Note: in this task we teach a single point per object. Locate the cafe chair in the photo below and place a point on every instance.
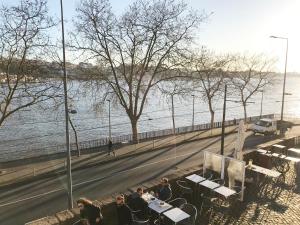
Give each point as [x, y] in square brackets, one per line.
[137, 221]
[184, 189]
[192, 211]
[178, 202]
[208, 205]
[208, 175]
[133, 211]
[219, 181]
[235, 198]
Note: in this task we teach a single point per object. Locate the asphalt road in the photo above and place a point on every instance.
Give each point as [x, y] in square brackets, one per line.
[37, 199]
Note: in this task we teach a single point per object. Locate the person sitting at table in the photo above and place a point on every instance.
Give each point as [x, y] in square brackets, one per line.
[137, 203]
[123, 211]
[164, 193]
[89, 213]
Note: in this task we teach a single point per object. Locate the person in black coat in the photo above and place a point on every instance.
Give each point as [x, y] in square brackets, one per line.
[124, 213]
[137, 203]
[164, 193]
[89, 212]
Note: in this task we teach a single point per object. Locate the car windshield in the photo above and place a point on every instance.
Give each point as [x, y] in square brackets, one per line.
[263, 123]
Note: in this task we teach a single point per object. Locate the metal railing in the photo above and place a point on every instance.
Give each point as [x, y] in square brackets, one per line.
[144, 136]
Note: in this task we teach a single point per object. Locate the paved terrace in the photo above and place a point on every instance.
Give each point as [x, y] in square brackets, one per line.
[273, 203]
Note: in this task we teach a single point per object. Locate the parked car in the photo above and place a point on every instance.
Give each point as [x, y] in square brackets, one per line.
[270, 126]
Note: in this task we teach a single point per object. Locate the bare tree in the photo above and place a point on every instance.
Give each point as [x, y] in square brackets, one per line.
[23, 35]
[170, 89]
[137, 50]
[209, 71]
[250, 75]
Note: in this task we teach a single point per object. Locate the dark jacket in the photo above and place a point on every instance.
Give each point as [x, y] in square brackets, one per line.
[164, 192]
[124, 215]
[91, 213]
[136, 202]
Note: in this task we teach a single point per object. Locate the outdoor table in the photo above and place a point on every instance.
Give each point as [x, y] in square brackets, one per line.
[288, 158]
[157, 207]
[209, 184]
[225, 191]
[265, 171]
[294, 152]
[261, 151]
[148, 197]
[176, 215]
[281, 148]
[195, 178]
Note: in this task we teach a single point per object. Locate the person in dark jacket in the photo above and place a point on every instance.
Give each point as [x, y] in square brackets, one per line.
[137, 203]
[164, 193]
[89, 212]
[124, 213]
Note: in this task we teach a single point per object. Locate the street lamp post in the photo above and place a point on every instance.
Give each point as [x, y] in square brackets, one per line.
[261, 103]
[223, 122]
[69, 171]
[109, 122]
[284, 79]
[193, 120]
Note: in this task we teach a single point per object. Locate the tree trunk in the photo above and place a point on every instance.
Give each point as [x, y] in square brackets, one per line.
[76, 137]
[134, 121]
[173, 114]
[212, 115]
[245, 111]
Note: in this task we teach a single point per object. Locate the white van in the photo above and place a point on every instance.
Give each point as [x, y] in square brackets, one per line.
[265, 126]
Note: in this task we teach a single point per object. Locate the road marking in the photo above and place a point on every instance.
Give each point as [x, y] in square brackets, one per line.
[101, 178]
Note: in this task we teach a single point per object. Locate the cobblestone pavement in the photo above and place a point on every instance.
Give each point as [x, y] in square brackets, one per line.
[271, 203]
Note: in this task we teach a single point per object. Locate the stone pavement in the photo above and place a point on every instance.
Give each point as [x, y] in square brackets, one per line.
[16, 173]
[272, 203]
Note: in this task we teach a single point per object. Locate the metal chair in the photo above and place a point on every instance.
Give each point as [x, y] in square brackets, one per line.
[178, 202]
[184, 189]
[137, 221]
[209, 203]
[192, 211]
[219, 181]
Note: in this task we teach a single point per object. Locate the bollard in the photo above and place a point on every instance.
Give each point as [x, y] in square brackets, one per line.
[34, 172]
[153, 143]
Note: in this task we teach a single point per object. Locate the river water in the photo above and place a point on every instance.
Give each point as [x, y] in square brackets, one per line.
[35, 128]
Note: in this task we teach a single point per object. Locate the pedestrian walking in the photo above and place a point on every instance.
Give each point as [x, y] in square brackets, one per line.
[110, 148]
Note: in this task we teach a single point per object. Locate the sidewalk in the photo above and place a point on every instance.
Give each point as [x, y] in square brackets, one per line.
[58, 166]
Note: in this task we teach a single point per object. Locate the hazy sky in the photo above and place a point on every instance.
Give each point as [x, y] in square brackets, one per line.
[235, 26]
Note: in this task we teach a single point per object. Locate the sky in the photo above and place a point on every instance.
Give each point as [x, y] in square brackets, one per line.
[236, 26]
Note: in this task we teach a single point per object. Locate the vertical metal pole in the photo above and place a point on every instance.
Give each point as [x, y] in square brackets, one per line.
[69, 172]
[109, 122]
[223, 122]
[193, 112]
[284, 79]
[261, 103]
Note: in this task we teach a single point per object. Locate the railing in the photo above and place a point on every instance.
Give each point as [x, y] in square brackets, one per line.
[159, 133]
[84, 145]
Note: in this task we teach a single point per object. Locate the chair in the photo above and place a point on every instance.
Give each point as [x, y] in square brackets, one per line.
[209, 203]
[184, 189]
[137, 221]
[170, 197]
[177, 202]
[219, 181]
[208, 175]
[236, 197]
[192, 211]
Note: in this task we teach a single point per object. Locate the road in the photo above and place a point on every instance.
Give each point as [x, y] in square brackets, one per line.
[47, 196]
